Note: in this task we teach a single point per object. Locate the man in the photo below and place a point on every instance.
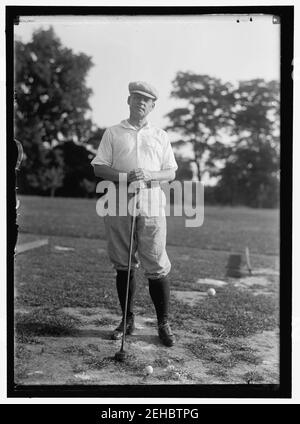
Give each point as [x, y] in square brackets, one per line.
[143, 153]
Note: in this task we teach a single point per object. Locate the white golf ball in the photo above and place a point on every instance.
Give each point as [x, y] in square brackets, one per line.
[211, 292]
[148, 370]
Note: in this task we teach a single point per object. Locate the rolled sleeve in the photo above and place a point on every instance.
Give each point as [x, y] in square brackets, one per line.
[104, 152]
[169, 161]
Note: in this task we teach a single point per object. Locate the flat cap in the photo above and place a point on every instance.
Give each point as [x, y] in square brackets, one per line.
[143, 88]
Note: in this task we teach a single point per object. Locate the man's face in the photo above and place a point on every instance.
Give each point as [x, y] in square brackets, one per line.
[140, 106]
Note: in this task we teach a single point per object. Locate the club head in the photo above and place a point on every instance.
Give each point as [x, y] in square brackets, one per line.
[120, 356]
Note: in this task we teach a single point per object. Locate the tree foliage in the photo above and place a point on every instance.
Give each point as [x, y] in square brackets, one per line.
[251, 172]
[256, 109]
[250, 177]
[184, 171]
[79, 179]
[52, 104]
[49, 176]
[207, 114]
[234, 132]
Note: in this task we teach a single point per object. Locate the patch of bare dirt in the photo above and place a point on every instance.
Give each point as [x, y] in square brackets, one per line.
[191, 297]
[87, 357]
[262, 281]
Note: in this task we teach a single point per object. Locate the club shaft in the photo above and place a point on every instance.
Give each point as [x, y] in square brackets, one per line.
[133, 219]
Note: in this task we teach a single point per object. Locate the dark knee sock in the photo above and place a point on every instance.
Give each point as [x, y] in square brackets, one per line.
[159, 290]
[121, 281]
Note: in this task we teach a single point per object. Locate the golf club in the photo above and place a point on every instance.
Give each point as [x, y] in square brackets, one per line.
[20, 157]
[121, 355]
[20, 154]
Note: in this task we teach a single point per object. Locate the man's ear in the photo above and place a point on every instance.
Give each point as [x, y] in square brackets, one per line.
[128, 100]
[153, 105]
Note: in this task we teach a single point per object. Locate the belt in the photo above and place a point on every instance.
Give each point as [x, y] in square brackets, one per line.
[144, 184]
[151, 184]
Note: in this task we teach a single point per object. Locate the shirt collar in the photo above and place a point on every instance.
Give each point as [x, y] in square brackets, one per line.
[126, 124]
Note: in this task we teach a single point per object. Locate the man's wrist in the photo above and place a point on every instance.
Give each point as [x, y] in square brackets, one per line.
[150, 176]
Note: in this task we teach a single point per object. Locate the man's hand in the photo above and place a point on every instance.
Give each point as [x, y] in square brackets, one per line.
[139, 174]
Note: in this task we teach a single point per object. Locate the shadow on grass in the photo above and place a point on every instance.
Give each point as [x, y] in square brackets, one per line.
[98, 333]
[45, 322]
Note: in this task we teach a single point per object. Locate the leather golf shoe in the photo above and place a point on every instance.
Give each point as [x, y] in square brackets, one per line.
[118, 332]
[166, 335]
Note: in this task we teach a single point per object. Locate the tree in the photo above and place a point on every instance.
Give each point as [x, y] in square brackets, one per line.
[247, 162]
[256, 111]
[95, 137]
[184, 171]
[78, 173]
[250, 178]
[251, 172]
[52, 103]
[50, 175]
[205, 117]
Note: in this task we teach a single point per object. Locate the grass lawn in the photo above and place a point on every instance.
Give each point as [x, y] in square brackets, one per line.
[63, 294]
[228, 229]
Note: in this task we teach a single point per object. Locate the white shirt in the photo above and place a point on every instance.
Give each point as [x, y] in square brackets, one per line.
[125, 148]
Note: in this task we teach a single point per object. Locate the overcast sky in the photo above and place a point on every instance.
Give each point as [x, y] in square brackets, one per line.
[153, 49]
